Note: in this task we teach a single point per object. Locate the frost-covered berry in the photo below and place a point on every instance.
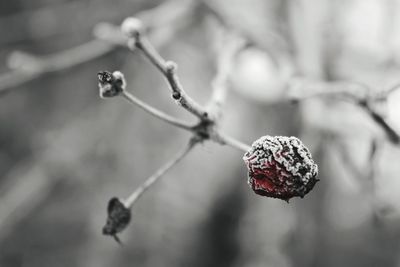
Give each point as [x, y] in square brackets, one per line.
[280, 167]
[111, 84]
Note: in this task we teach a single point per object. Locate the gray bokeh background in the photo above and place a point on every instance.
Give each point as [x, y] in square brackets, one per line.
[65, 152]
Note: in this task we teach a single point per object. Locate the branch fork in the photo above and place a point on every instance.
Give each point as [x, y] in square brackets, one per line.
[114, 84]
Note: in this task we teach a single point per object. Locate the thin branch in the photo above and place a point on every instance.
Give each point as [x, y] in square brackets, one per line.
[225, 62]
[137, 39]
[300, 89]
[114, 84]
[131, 200]
[269, 43]
[169, 70]
[53, 63]
[391, 90]
[391, 133]
[225, 139]
[156, 112]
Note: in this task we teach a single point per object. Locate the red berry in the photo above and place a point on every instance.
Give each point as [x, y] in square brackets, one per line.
[280, 167]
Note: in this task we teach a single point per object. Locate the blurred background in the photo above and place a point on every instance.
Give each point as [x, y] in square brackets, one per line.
[65, 152]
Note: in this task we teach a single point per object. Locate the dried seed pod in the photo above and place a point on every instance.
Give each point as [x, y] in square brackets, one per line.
[280, 167]
[111, 84]
[118, 218]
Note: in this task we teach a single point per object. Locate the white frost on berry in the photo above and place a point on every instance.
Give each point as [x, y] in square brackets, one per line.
[288, 152]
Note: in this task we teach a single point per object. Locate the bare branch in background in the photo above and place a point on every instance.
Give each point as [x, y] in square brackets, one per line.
[269, 43]
[391, 133]
[357, 93]
[53, 63]
[389, 91]
[25, 187]
[227, 53]
[39, 66]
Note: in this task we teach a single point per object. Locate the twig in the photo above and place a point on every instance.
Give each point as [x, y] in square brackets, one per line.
[393, 89]
[114, 84]
[386, 93]
[155, 112]
[205, 129]
[158, 174]
[300, 89]
[270, 43]
[392, 135]
[225, 139]
[217, 137]
[135, 31]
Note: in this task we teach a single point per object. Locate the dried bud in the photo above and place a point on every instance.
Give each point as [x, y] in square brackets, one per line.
[171, 66]
[280, 167]
[118, 218]
[111, 84]
[132, 27]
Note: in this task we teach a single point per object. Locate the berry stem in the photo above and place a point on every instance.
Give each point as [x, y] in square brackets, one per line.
[225, 139]
[131, 200]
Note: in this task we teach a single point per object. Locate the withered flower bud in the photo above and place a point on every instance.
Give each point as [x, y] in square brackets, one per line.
[118, 218]
[111, 84]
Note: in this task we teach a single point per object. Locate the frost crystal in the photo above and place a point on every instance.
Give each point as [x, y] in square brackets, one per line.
[280, 167]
